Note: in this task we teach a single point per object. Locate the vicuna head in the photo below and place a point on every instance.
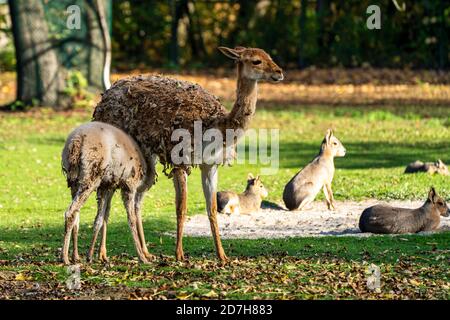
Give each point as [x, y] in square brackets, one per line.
[254, 185]
[332, 146]
[438, 203]
[441, 168]
[254, 64]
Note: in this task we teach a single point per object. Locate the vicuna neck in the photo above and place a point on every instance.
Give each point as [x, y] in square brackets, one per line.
[245, 104]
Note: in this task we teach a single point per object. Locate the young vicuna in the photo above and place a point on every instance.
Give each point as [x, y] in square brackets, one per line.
[438, 167]
[386, 219]
[98, 156]
[318, 174]
[250, 200]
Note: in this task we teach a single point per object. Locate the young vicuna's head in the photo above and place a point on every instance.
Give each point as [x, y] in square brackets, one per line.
[438, 203]
[254, 64]
[331, 146]
[255, 186]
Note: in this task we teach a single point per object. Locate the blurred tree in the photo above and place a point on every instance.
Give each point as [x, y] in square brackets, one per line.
[48, 50]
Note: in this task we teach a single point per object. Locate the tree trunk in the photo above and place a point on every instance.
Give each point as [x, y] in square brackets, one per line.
[40, 77]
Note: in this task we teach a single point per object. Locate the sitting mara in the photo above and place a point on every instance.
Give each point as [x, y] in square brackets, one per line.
[387, 219]
[318, 174]
[438, 167]
[249, 201]
[98, 156]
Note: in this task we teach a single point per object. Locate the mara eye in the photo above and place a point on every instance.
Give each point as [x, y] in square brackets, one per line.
[256, 62]
[335, 143]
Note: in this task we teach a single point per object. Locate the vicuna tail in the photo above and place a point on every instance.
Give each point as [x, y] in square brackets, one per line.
[71, 158]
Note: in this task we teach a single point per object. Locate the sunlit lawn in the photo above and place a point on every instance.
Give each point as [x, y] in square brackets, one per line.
[33, 197]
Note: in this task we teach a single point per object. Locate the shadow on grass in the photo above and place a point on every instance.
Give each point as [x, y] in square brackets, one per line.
[365, 156]
[43, 245]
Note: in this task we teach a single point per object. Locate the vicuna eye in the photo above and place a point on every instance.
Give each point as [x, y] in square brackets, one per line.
[256, 62]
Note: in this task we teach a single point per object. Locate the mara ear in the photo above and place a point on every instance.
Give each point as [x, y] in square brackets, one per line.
[250, 176]
[257, 178]
[328, 135]
[231, 53]
[432, 194]
[439, 163]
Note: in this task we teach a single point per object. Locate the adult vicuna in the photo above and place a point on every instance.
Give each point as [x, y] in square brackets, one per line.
[303, 188]
[391, 220]
[152, 108]
[98, 156]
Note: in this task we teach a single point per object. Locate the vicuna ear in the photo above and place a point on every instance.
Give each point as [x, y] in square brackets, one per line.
[250, 176]
[432, 194]
[328, 135]
[234, 54]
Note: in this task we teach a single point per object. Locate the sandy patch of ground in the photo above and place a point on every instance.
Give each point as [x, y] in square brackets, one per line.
[276, 222]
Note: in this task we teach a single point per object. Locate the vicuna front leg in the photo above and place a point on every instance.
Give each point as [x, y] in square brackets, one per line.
[180, 184]
[209, 184]
[128, 197]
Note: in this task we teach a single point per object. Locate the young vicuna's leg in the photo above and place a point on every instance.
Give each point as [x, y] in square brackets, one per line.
[209, 184]
[71, 218]
[180, 184]
[76, 227]
[129, 197]
[102, 254]
[104, 197]
[138, 205]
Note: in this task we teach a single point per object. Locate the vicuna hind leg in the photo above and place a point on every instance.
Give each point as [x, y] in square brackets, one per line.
[138, 203]
[71, 219]
[104, 197]
[129, 197]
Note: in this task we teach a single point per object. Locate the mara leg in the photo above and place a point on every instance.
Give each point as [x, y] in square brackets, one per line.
[103, 205]
[180, 184]
[71, 218]
[138, 203]
[330, 194]
[209, 184]
[128, 197]
[328, 198]
[306, 201]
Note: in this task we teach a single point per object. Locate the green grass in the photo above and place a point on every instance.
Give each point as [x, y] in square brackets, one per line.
[380, 143]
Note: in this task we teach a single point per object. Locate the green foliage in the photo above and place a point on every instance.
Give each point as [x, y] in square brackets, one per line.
[335, 35]
[77, 89]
